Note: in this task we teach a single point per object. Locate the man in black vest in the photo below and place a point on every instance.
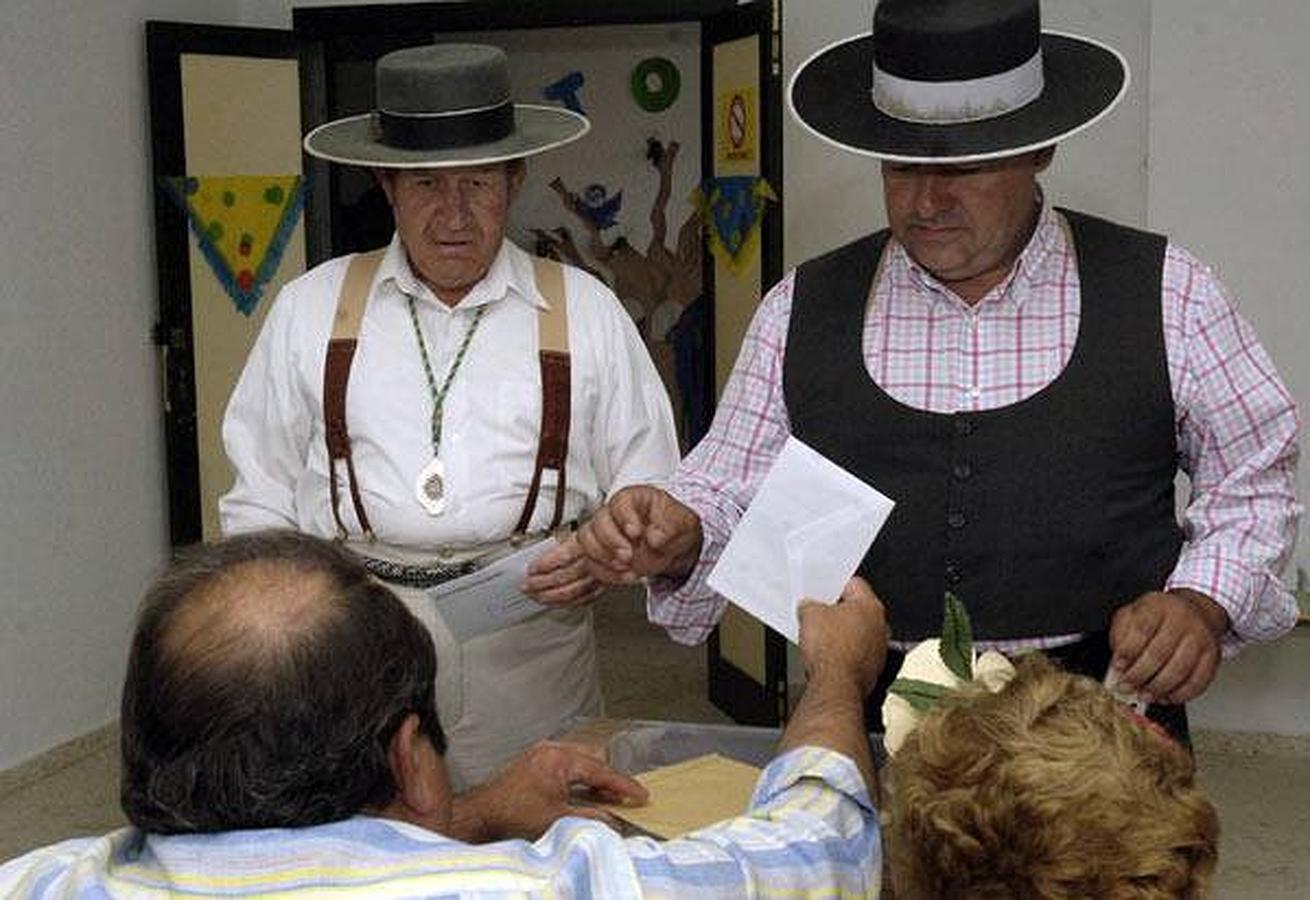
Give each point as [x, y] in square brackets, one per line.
[1025, 382]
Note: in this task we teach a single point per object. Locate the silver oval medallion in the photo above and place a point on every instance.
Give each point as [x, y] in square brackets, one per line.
[431, 487]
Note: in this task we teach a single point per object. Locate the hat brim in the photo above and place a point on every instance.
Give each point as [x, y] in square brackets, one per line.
[831, 96]
[353, 141]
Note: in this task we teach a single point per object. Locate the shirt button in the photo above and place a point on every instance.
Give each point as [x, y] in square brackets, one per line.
[962, 471]
[975, 392]
[956, 520]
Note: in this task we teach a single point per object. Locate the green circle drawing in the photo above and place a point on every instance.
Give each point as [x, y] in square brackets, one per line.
[655, 84]
[229, 198]
[215, 230]
[273, 194]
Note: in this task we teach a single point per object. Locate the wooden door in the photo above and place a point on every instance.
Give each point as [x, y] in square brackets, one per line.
[225, 123]
[743, 144]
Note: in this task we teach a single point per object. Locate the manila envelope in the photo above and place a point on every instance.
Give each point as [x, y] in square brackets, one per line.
[690, 795]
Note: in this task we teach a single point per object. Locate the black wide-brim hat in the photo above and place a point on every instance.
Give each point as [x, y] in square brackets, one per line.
[956, 81]
[444, 105]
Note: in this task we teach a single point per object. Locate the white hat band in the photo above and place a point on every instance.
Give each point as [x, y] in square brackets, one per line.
[956, 102]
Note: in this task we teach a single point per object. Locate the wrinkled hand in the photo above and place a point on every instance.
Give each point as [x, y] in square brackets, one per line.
[641, 531]
[559, 577]
[1167, 645]
[535, 789]
[847, 639]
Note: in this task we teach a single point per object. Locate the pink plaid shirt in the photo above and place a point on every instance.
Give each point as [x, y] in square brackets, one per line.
[1237, 425]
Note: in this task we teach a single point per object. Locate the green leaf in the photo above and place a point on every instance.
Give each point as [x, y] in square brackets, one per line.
[957, 639]
[922, 695]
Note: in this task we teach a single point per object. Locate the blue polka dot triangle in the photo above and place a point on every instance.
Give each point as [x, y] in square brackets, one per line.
[242, 224]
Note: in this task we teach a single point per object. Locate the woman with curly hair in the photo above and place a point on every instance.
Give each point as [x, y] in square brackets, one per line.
[1048, 788]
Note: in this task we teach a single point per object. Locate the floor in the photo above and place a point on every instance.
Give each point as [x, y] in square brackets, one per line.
[1261, 786]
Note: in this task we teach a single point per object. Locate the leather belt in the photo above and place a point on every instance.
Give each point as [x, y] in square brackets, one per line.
[421, 577]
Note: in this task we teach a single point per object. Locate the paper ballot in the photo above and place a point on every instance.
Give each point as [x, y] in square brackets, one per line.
[802, 537]
[489, 599]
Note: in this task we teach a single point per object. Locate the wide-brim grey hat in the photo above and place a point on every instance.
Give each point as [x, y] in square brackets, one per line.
[444, 105]
[956, 81]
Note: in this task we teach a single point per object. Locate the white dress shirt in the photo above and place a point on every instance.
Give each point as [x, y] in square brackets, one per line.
[621, 429]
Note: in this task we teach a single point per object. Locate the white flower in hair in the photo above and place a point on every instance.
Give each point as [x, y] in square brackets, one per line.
[935, 668]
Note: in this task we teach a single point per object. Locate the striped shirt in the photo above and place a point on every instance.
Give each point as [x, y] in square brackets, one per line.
[811, 831]
[1237, 425]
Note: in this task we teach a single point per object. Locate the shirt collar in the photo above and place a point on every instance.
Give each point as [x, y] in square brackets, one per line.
[510, 275]
[1046, 241]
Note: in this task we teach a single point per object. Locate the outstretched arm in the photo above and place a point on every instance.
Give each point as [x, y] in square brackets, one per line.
[811, 829]
[641, 531]
[843, 648]
[536, 789]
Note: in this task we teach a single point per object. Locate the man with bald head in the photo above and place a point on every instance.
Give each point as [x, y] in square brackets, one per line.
[280, 733]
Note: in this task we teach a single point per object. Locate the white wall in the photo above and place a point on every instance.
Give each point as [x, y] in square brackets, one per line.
[81, 477]
[1229, 139]
[1229, 142]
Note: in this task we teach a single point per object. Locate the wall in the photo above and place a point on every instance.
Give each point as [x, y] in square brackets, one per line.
[1229, 134]
[81, 485]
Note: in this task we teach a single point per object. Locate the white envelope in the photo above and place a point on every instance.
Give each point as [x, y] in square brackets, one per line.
[802, 537]
[489, 599]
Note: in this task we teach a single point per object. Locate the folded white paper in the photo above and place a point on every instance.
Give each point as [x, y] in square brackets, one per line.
[489, 599]
[802, 537]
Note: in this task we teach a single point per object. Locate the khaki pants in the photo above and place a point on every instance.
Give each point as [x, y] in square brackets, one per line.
[498, 693]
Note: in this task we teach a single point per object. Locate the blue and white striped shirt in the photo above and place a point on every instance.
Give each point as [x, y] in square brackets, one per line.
[811, 831]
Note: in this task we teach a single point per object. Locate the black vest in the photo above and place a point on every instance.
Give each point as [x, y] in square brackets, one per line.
[1043, 516]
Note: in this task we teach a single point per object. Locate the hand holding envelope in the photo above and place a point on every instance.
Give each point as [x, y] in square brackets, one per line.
[802, 537]
[490, 598]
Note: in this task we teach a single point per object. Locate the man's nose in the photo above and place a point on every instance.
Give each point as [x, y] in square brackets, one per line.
[932, 195]
[452, 206]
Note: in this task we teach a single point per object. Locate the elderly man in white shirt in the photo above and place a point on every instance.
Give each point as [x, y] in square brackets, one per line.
[451, 398]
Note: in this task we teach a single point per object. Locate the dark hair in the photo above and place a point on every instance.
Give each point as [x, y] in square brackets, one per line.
[236, 724]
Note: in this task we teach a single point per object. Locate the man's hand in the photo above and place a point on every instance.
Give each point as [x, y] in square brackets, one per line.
[641, 531]
[846, 640]
[559, 577]
[843, 647]
[535, 789]
[1166, 645]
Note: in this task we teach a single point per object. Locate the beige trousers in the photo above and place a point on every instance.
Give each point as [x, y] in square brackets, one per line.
[498, 693]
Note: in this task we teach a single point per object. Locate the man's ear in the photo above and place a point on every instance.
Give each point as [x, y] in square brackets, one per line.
[384, 177]
[1042, 158]
[517, 171]
[423, 794]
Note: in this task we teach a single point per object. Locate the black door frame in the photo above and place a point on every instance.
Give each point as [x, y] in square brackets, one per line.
[166, 43]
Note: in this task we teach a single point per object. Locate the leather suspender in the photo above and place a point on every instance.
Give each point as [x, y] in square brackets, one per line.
[553, 353]
[336, 377]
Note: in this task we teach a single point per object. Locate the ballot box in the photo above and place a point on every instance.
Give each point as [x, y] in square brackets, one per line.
[639, 745]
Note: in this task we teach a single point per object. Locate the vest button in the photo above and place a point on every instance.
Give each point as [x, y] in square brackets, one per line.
[963, 427]
[956, 519]
[953, 573]
[962, 471]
